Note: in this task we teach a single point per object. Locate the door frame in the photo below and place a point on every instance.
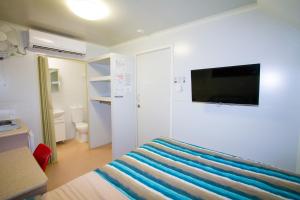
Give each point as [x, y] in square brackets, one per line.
[170, 134]
[85, 63]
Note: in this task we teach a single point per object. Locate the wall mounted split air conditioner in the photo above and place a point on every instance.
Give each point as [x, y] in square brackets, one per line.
[46, 42]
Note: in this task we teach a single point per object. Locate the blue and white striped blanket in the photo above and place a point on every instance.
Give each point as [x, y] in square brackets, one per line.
[169, 169]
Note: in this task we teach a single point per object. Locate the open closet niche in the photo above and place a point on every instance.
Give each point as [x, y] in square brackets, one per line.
[112, 113]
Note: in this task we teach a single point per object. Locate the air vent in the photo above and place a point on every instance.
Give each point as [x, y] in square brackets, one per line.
[57, 50]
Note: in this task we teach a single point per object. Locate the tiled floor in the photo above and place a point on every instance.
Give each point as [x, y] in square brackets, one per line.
[75, 159]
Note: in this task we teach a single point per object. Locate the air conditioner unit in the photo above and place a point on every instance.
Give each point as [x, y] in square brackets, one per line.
[45, 42]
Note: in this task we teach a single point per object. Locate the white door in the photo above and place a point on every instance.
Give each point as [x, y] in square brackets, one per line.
[153, 94]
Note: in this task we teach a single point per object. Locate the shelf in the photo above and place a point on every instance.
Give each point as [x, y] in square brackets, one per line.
[101, 99]
[104, 59]
[100, 78]
[55, 83]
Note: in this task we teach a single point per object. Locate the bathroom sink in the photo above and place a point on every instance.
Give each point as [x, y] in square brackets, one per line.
[58, 112]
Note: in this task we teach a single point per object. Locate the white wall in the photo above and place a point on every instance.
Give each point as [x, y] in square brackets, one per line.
[72, 91]
[19, 90]
[267, 133]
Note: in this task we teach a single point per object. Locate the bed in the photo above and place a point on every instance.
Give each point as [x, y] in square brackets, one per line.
[169, 169]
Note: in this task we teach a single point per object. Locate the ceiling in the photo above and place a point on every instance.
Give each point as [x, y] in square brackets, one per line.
[288, 10]
[126, 17]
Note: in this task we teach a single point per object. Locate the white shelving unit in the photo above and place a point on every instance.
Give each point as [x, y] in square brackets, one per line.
[54, 79]
[101, 99]
[99, 93]
[100, 78]
[112, 116]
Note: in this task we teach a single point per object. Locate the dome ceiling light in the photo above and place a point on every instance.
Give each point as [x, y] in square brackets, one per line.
[89, 9]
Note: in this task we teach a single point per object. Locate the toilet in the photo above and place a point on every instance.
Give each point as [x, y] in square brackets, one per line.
[80, 126]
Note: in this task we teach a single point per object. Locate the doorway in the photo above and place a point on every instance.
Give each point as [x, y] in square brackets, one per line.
[69, 99]
[154, 94]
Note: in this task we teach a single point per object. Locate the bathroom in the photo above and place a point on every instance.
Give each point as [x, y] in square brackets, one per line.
[69, 101]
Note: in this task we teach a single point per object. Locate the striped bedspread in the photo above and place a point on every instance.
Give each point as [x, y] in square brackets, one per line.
[169, 169]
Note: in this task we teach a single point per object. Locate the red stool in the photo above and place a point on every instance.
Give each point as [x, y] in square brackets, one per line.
[42, 155]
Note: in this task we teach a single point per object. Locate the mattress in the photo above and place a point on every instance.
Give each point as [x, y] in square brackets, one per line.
[169, 169]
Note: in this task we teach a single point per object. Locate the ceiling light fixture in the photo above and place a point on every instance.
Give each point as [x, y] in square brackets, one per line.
[89, 9]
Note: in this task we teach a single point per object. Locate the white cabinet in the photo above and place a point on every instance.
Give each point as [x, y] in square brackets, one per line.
[60, 128]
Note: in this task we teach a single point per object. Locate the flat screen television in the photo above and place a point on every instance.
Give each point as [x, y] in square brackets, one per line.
[229, 85]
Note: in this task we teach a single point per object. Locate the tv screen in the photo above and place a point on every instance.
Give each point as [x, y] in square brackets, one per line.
[232, 85]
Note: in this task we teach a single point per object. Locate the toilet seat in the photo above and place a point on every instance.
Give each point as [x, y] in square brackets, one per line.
[81, 126]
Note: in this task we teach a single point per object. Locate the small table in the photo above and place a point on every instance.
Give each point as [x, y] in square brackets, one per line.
[20, 175]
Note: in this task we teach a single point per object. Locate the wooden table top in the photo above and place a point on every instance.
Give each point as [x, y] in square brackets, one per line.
[19, 173]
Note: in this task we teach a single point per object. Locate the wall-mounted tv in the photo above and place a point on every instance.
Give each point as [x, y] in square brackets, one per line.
[229, 85]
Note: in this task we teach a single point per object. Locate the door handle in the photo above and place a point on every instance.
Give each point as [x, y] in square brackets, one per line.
[138, 105]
